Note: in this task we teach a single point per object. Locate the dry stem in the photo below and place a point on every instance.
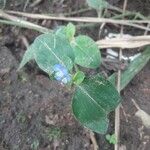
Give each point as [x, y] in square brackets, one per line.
[92, 137]
[22, 22]
[117, 111]
[133, 23]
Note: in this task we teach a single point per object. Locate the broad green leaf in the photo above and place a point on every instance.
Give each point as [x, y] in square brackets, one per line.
[50, 49]
[58, 45]
[70, 31]
[97, 4]
[29, 54]
[86, 52]
[93, 100]
[47, 58]
[78, 77]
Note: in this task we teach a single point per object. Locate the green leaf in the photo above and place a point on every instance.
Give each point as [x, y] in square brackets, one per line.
[86, 52]
[70, 31]
[97, 4]
[61, 31]
[66, 32]
[111, 138]
[78, 77]
[93, 100]
[108, 137]
[50, 49]
[29, 55]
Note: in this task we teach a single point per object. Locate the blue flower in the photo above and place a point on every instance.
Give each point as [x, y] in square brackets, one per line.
[61, 73]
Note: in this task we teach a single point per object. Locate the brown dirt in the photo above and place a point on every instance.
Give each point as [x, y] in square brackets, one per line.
[35, 111]
[133, 133]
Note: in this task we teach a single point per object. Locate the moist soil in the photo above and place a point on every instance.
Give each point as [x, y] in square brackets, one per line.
[35, 112]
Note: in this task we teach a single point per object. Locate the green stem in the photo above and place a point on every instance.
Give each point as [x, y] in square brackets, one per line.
[77, 12]
[99, 13]
[87, 25]
[76, 68]
[3, 4]
[128, 14]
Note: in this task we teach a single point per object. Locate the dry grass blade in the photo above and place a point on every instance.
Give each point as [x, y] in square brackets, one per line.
[130, 42]
[133, 23]
[20, 22]
[76, 19]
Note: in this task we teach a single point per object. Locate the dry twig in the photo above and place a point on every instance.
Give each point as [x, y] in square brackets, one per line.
[25, 41]
[132, 42]
[117, 111]
[21, 22]
[92, 137]
[133, 23]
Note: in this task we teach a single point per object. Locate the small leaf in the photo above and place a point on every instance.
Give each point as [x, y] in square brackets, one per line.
[78, 77]
[108, 137]
[70, 31]
[97, 4]
[94, 98]
[86, 52]
[111, 138]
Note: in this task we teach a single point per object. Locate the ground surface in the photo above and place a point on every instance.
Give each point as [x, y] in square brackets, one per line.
[35, 113]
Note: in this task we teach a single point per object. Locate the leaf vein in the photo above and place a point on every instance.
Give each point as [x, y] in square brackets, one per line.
[91, 98]
[59, 59]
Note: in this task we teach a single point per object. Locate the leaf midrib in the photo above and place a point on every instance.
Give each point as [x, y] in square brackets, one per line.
[93, 100]
[57, 57]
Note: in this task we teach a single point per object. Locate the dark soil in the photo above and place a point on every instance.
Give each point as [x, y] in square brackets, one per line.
[35, 112]
[35, 108]
[133, 133]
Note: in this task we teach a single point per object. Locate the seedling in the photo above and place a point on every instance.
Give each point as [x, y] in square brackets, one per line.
[111, 138]
[59, 54]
